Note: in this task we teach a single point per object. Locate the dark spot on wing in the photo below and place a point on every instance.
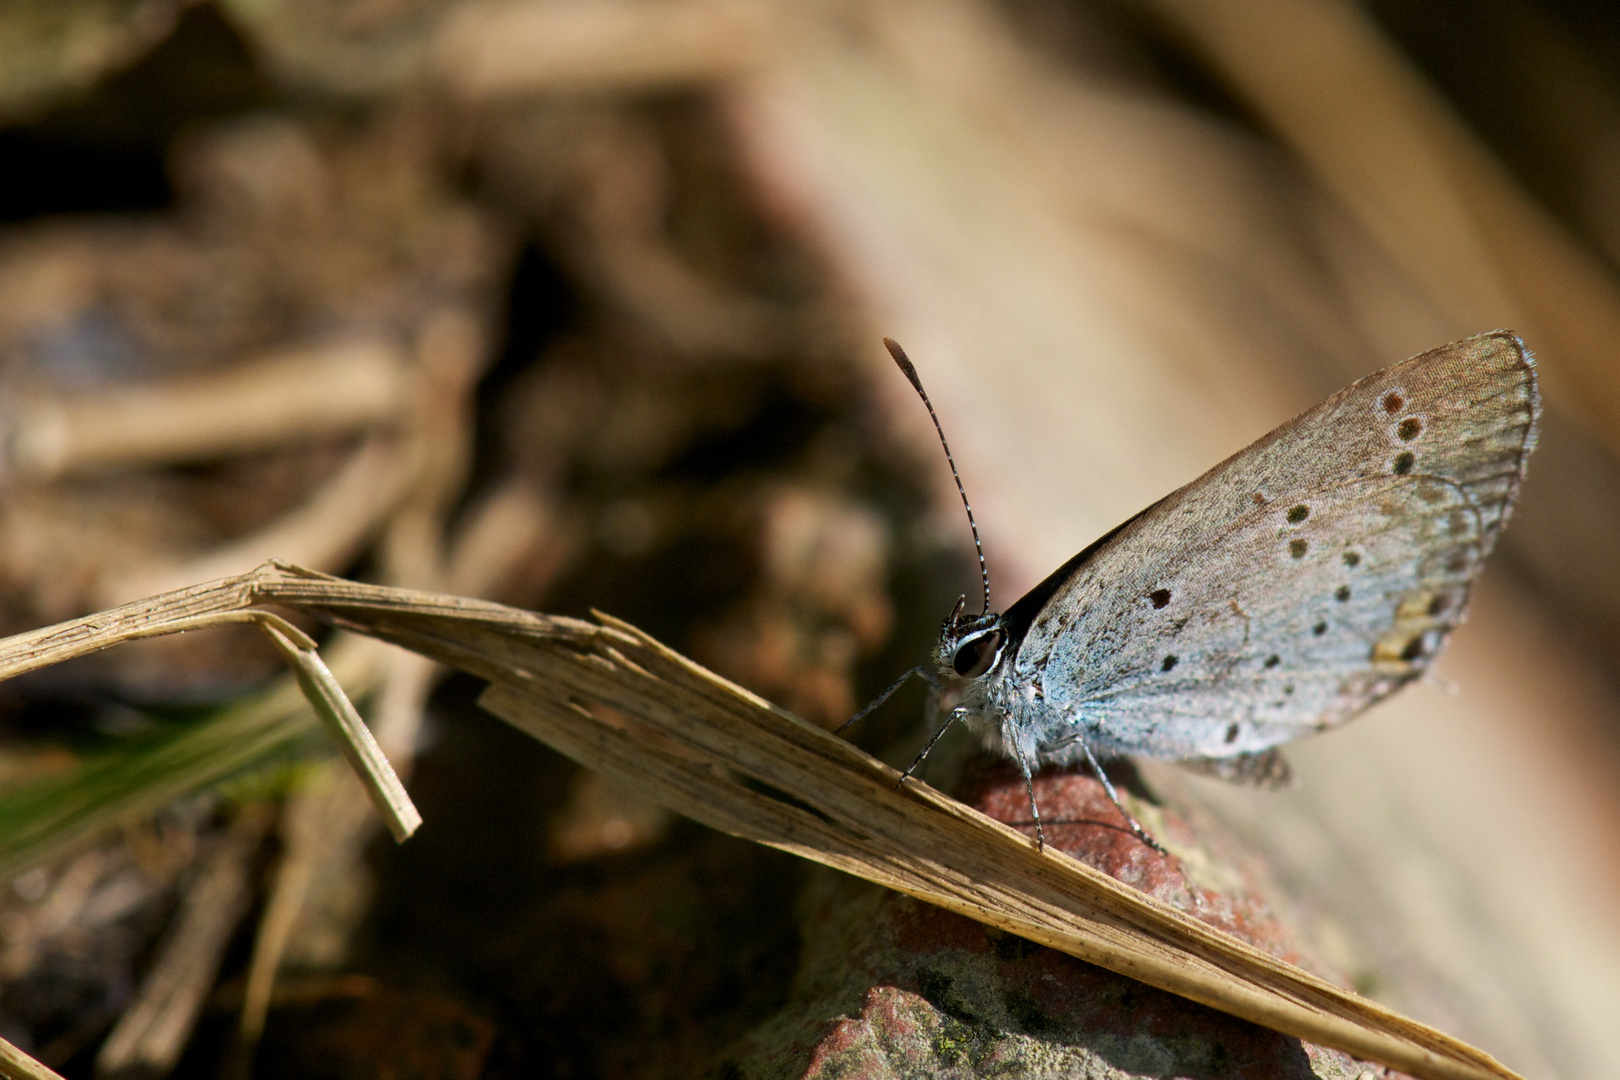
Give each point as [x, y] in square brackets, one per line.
[1298, 514]
[1413, 650]
[1273, 660]
[1458, 523]
[1232, 733]
[1160, 597]
[1319, 629]
[1409, 428]
[1404, 462]
[1297, 548]
[1342, 593]
[1259, 499]
[1288, 689]
[1351, 559]
[1169, 662]
[1394, 402]
[1457, 563]
[1438, 605]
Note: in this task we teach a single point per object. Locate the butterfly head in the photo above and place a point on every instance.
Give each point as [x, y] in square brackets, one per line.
[970, 646]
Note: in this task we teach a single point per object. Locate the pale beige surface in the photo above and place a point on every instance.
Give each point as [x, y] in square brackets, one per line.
[1061, 319]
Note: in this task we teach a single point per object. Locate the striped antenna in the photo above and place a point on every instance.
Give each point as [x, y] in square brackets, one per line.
[910, 371]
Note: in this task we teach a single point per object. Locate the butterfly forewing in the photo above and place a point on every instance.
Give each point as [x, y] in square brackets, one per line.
[1227, 656]
[1303, 578]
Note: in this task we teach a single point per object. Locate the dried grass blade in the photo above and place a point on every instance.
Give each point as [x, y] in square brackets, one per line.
[16, 1065]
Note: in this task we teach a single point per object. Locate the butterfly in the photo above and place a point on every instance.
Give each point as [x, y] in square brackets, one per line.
[1293, 585]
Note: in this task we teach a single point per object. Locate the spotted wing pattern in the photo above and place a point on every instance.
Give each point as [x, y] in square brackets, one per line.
[1300, 580]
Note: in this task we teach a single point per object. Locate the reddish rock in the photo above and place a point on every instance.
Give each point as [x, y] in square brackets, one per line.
[891, 987]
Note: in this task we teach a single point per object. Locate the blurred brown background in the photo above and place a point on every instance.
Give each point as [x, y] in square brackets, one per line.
[575, 304]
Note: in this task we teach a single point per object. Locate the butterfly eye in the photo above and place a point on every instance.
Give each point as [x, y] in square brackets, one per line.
[978, 655]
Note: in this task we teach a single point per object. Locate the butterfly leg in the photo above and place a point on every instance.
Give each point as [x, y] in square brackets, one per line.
[1029, 789]
[956, 714]
[1108, 786]
[919, 671]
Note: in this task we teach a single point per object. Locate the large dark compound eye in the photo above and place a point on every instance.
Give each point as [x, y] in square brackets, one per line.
[978, 654]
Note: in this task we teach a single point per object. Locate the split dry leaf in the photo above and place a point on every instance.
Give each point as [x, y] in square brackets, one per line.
[616, 700]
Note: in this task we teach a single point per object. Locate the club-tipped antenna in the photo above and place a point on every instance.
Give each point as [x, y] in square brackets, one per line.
[910, 371]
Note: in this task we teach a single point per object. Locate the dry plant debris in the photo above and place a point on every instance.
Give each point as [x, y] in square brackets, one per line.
[615, 699]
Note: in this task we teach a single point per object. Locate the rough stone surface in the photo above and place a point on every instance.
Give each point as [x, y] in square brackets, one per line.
[890, 987]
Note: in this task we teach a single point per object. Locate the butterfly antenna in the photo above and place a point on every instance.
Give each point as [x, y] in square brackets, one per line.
[910, 371]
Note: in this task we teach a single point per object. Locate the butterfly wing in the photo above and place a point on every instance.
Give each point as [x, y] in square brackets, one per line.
[1298, 581]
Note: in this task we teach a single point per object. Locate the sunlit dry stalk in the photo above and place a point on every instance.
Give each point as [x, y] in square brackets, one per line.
[260, 402]
[502, 49]
[616, 700]
[343, 723]
[16, 1065]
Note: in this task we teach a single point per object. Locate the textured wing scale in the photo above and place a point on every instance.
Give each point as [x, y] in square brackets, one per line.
[1300, 580]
